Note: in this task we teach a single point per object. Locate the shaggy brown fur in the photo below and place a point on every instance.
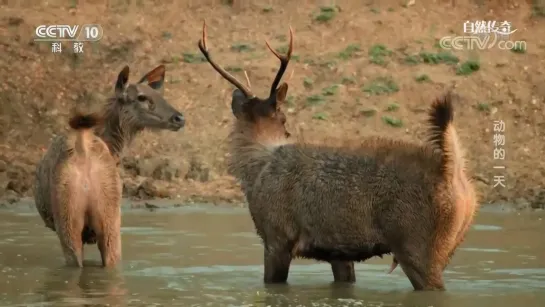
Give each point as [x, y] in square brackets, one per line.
[86, 193]
[133, 108]
[354, 202]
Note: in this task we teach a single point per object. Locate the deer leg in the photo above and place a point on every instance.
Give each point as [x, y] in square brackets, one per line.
[109, 245]
[424, 272]
[343, 271]
[277, 265]
[69, 232]
[109, 238]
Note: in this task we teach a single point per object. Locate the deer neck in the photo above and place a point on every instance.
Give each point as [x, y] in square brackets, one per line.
[118, 133]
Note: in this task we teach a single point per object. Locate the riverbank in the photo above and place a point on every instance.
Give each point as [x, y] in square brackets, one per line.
[358, 69]
[153, 205]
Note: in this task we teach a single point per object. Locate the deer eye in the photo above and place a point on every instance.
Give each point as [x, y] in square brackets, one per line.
[142, 98]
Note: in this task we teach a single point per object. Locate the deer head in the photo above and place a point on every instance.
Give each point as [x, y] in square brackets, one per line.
[143, 103]
[263, 116]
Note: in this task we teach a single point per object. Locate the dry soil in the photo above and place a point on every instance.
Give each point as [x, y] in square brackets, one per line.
[360, 68]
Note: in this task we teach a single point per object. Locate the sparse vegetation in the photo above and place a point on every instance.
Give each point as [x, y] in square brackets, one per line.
[412, 60]
[348, 80]
[343, 49]
[326, 13]
[441, 57]
[378, 53]
[392, 121]
[320, 116]
[422, 78]
[307, 82]
[368, 112]
[392, 107]
[330, 90]
[349, 51]
[519, 48]
[315, 100]
[166, 35]
[193, 58]
[538, 8]
[290, 101]
[328, 63]
[242, 47]
[468, 67]
[234, 69]
[483, 107]
[380, 86]
[282, 49]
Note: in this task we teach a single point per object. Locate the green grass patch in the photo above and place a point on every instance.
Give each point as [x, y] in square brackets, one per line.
[422, 78]
[412, 60]
[242, 47]
[392, 121]
[377, 54]
[290, 101]
[441, 57]
[538, 8]
[392, 107]
[330, 90]
[483, 107]
[380, 86]
[519, 48]
[349, 52]
[307, 82]
[368, 112]
[348, 80]
[320, 116]
[193, 58]
[166, 35]
[468, 67]
[315, 100]
[234, 69]
[326, 14]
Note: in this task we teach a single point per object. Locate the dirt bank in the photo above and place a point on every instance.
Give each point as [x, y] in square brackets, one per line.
[359, 69]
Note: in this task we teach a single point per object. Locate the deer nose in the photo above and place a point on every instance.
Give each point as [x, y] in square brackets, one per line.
[178, 119]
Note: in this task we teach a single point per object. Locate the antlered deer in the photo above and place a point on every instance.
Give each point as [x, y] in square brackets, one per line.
[133, 108]
[348, 203]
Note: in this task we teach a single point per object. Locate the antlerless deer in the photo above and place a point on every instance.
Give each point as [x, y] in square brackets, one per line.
[349, 203]
[77, 192]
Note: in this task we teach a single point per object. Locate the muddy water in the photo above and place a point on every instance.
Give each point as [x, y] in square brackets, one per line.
[209, 256]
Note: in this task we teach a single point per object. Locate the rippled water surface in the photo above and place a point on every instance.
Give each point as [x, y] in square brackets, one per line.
[209, 256]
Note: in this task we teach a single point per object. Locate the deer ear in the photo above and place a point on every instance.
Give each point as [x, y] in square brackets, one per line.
[122, 80]
[237, 103]
[155, 78]
[281, 93]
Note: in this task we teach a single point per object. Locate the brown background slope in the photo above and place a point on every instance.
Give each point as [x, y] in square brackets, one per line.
[39, 87]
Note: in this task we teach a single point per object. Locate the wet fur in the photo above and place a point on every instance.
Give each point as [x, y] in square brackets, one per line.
[120, 123]
[85, 193]
[117, 130]
[352, 202]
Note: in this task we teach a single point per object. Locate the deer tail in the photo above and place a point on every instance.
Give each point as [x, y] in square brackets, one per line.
[83, 125]
[443, 135]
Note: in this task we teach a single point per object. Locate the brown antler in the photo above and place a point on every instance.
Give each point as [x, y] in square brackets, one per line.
[219, 69]
[284, 60]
